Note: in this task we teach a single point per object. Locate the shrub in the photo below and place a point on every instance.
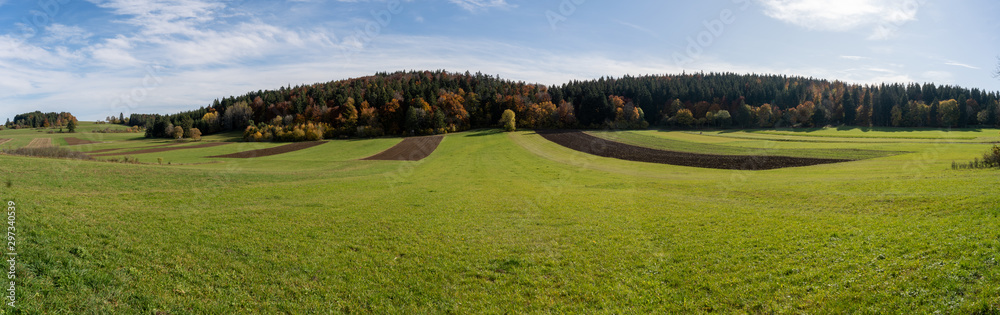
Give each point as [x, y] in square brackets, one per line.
[133, 129]
[313, 134]
[298, 134]
[127, 160]
[195, 134]
[992, 157]
[52, 152]
[507, 120]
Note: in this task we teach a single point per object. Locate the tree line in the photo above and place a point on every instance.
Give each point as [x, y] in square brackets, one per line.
[434, 102]
[37, 119]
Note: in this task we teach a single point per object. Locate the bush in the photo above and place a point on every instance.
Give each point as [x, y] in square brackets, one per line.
[298, 134]
[369, 132]
[195, 134]
[52, 152]
[508, 121]
[127, 160]
[133, 129]
[992, 158]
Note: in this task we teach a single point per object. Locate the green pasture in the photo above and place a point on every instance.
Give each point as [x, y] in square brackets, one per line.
[864, 135]
[510, 223]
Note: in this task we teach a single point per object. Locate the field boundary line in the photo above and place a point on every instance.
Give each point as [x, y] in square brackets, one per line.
[288, 148]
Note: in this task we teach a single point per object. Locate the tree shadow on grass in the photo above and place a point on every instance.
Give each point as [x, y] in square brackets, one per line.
[878, 129]
[484, 132]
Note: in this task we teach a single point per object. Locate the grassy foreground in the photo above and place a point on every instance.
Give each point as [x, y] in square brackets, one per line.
[498, 222]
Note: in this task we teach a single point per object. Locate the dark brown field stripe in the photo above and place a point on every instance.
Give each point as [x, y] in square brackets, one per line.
[271, 151]
[410, 149]
[582, 142]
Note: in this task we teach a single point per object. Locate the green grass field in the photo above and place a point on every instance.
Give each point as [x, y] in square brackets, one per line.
[510, 223]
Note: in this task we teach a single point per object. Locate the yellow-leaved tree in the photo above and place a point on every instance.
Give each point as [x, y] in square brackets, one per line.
[508, 121]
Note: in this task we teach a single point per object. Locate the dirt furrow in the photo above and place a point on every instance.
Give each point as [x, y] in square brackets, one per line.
[583, 142]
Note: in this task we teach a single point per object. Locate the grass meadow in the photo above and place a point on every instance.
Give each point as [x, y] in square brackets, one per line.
[510, 223]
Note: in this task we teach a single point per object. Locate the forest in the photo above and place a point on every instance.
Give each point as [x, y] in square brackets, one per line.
[436, 102]
[38, 119]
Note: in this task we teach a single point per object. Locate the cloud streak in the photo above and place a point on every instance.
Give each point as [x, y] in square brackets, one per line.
[482, 5]
[883, 17]
[958, 64]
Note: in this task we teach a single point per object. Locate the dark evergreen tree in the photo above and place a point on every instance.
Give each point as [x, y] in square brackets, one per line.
[850, 107]
[389, 97]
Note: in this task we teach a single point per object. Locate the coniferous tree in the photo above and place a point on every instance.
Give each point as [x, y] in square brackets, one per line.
[475, 100]
[850, 108]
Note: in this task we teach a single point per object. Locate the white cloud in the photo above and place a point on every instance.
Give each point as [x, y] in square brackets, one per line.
[114, 52]
[481, 5]
[62, 34]
[958, 64]
[191, 33]
[164, 17]
[855, 58]
[13, 48]
[884, 17]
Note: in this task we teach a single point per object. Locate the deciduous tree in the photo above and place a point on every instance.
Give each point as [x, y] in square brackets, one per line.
[949, 112]
[566, 117]
[237, 117]
[507, 120]
[684, 118]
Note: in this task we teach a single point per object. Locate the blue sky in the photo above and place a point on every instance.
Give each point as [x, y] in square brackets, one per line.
[96, 58]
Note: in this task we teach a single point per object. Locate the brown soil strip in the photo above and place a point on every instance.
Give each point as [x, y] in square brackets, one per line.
[77, 141]
[411, 149]
[40, 143]
[2, 141]
[582, 142]
[271, 151]
[161, 149]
